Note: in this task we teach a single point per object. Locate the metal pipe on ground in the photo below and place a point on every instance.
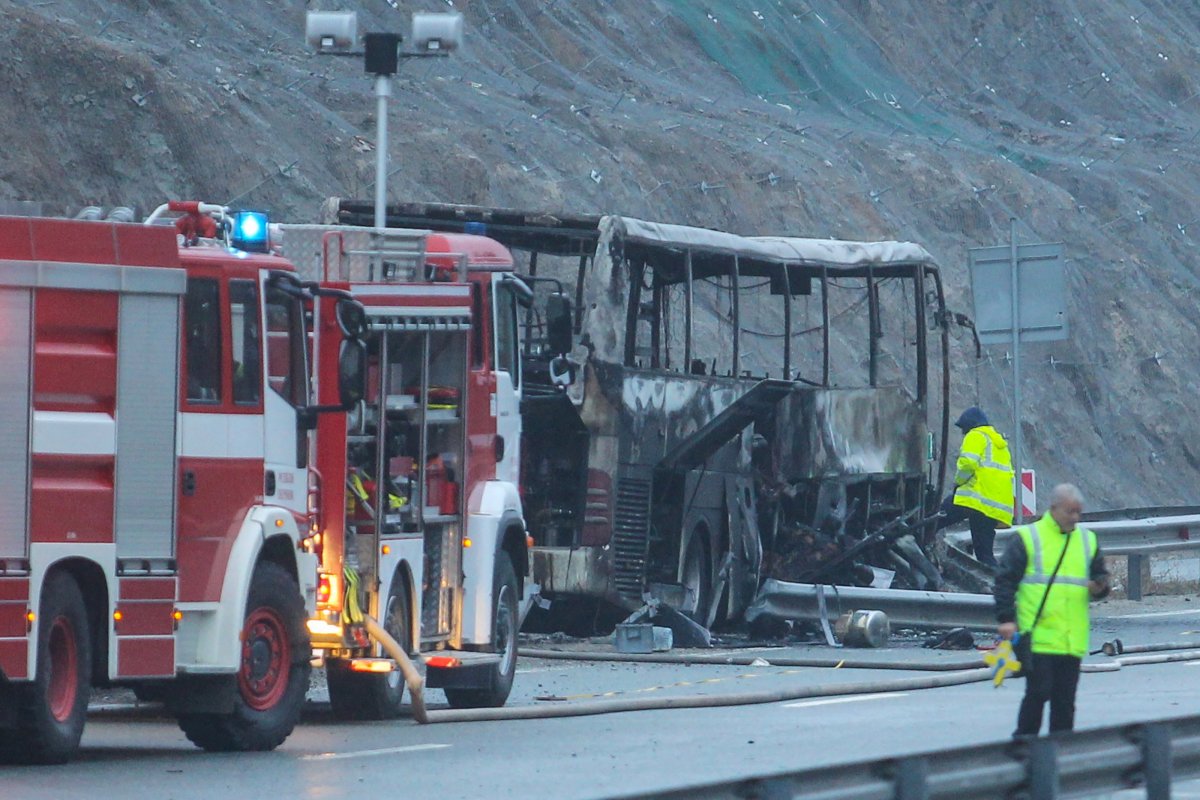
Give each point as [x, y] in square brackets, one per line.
[416, 684]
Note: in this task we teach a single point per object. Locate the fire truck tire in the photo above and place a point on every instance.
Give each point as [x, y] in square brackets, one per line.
[366, 696]
[504, 635]
[697, 578]
[51, 709]
[274, 673]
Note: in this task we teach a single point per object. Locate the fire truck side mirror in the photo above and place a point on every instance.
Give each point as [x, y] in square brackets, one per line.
[352, 373]
[558, 323]
[351, 318]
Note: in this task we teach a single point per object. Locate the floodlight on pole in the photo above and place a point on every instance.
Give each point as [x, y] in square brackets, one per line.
[437, 32]
[331, 31]
[336, 33]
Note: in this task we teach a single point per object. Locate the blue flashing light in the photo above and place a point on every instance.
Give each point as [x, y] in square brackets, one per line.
[250, 232]
[476, 228]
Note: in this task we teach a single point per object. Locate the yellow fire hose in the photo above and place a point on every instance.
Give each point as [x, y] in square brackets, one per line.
[416, 684]
[355, 615]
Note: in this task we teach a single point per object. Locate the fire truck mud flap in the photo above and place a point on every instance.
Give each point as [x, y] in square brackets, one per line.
[468, 671]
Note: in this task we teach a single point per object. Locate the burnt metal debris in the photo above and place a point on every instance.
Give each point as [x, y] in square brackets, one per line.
[743, 409]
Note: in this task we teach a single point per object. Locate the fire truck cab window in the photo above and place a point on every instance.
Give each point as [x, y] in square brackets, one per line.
[286, 347]
[202, 314]
[476, 326]
[506, 333]
[246, 342]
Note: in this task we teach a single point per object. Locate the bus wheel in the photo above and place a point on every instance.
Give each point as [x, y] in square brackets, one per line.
[697, 579]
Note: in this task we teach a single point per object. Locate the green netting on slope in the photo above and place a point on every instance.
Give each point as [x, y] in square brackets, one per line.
[784, 51]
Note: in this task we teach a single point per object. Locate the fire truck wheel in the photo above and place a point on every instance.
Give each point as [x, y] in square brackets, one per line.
[364, 695]
[51, 709]
[504, 637]
[697, 579]
[273, 678]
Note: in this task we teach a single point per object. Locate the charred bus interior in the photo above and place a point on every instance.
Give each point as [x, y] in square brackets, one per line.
[734, 409]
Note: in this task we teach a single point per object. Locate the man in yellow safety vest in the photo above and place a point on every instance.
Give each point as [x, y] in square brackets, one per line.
[983, 493]
[1047, 575]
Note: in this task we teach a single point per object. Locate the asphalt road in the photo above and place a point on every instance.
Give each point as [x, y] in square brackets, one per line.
[139, 755]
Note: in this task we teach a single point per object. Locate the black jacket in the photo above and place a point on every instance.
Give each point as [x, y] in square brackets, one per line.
[1012, 569]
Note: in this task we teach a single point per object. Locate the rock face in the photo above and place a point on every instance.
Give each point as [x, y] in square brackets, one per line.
[930, 120]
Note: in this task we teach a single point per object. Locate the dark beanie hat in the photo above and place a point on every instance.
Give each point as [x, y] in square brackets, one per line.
[973, 417]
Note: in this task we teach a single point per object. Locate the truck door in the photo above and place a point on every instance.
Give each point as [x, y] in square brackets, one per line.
[507, 402]
[287, 389]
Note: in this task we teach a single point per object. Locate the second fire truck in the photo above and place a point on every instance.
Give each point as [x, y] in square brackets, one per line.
[421, 523]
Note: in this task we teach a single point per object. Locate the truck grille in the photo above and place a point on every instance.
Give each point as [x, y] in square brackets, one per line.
[631, 535]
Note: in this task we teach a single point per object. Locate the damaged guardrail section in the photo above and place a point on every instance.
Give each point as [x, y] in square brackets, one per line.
[903, 606]
[1083, 764]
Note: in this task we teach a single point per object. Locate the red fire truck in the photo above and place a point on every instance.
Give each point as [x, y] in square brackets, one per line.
[421, 523]
[156, 486]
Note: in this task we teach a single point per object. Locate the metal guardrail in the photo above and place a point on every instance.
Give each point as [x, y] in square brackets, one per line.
[902, 606]
[1137, 513]
[1082, 764]
[1138, 536]
[1136, 539]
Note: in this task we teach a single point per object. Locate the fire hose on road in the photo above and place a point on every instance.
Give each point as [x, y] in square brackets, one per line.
[957, 677]
[416, 684]
[712, 701]
[691, 659]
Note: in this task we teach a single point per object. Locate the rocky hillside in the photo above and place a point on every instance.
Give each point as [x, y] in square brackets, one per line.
[930, 120]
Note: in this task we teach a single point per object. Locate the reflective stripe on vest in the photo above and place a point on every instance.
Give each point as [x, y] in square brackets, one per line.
[987, 501]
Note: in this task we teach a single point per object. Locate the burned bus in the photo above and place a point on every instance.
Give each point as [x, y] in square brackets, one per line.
[734, 408]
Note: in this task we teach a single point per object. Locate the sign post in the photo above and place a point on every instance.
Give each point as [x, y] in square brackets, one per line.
[1020, 296]
[1026, 503]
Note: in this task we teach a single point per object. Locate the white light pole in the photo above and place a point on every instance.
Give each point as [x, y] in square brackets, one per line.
[383, 90]
[336, 33]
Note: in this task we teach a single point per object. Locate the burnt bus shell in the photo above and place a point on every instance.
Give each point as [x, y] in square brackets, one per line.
[644, 458]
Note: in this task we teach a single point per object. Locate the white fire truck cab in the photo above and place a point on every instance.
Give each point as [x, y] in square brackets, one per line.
[421, 524]
[155, 486]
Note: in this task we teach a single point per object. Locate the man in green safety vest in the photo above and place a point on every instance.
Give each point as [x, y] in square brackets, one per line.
[983, 493]
[1047, 575]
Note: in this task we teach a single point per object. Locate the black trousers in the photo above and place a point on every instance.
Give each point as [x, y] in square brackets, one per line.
[1052, 679]
[983, 536]
[983, 529]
